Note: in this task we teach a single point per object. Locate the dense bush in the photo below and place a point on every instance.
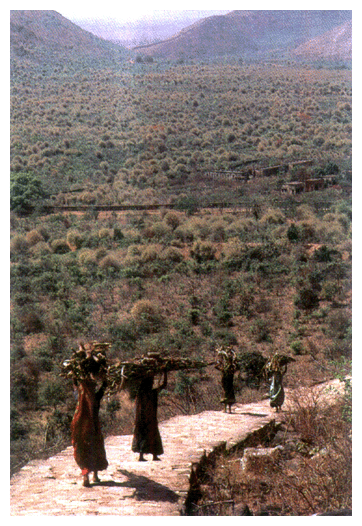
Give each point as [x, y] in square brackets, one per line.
[203, 251]
[307, 298]
[25, 191]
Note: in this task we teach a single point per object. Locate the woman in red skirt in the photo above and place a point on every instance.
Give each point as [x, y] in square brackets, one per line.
[87, 439]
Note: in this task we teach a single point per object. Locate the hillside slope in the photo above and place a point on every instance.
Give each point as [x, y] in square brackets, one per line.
[335, 44]
[246, 33]
[213, 36]
[41, 35]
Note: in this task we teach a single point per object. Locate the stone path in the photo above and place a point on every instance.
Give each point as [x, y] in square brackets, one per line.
[54, 487]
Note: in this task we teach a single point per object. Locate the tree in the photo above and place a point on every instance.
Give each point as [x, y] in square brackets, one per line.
[25, 190]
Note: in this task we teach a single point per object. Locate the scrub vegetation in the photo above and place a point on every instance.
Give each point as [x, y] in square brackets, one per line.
[264, 272]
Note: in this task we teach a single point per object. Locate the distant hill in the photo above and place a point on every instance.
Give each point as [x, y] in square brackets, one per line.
[212, 36]
[147, 30]
[335, 44]
[42, 35]
[246, 33]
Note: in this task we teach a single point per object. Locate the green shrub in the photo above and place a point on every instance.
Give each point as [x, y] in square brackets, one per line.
[52, 393]
[118, 234]
[74, 239]
[293, 233]
[234, 254]
[331, 290]
[324, 254]
[218, 232]
[41, 249]
[87, 257]
[306, 298]
[105, 236]
[25, 191]
[109, 262]
[203, 251]
[59, 246]
[223, 312]
[19, 245]
[272, 217]
[18, 428]
[260, 329]
[150, 253]
[340, 325]
[33, 237]
[297, 347]
[57, 427]
[172, 255]
[190, 204]
[226, 337]
[308, 231]
[147, 316]
[184, 233]
[173, 219]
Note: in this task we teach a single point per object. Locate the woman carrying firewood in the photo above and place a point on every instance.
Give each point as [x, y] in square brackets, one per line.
[87, 439]
[146, 437]
[275, 370]
[227, 364]
[276, 390]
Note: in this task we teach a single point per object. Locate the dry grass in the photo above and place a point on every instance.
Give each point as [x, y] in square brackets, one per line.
[312, 475]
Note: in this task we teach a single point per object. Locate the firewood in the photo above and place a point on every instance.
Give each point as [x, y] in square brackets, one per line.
[88, 362]
[130, 372]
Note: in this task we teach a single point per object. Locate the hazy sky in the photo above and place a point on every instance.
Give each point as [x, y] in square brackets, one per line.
[122, 13]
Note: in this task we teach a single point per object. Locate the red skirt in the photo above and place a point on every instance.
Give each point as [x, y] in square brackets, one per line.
[87, 439]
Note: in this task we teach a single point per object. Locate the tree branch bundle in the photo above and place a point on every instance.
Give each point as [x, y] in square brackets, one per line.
[87, 363]
[277, 363]
[90, 362]
[150, 365]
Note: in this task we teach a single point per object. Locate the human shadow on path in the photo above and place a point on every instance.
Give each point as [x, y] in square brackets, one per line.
[253, 414]
[146, 489]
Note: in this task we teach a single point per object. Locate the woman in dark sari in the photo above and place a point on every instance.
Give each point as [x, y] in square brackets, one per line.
[227, 365]
[146, 437]
[87, 439]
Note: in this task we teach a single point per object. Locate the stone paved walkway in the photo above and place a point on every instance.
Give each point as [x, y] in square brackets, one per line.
[128, 487]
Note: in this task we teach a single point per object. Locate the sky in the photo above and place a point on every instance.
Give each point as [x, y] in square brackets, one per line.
[124, 14]
[136, 10]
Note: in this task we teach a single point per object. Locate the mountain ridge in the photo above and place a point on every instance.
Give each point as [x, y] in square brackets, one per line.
[36, 33]
[336, 43]
[246, 32]
[42, 36]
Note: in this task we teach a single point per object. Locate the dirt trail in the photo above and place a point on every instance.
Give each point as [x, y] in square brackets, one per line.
[131, 488]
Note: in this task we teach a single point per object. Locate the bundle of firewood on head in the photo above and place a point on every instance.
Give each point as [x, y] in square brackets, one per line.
[226, 359]
[128, 375]
[277, 363]
[89, 362]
